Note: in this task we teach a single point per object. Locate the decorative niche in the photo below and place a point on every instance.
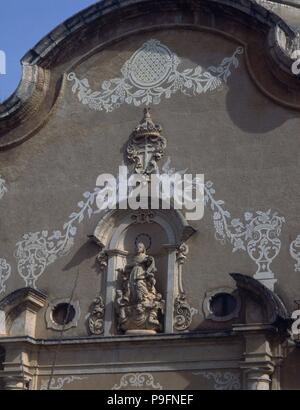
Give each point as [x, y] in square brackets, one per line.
[142, 253]
[162, 234]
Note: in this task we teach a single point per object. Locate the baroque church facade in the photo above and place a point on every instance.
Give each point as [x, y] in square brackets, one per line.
[146, 298]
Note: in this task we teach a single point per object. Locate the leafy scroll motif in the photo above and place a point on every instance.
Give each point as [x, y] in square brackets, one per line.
[3, 187]
[38, 250]
[150, 74]
[59, 382]
[183, 313]
[142, 381]
[295, 252]
[96, 317]
[257, 233]
[5, 272]
[222, 381]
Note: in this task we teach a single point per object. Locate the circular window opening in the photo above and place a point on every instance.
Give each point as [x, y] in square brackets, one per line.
[63, 313]
[223, 304]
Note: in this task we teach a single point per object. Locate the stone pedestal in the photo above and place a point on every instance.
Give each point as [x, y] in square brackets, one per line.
[257, 379]
[140, 332]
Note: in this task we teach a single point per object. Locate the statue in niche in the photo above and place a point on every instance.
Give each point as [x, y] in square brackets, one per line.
[138, 304]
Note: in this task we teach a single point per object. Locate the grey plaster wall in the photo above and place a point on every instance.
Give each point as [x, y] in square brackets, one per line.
[241, 140]
[241, 136]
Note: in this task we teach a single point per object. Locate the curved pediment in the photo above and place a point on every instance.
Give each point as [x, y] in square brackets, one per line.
[275, 310]
[47, 65]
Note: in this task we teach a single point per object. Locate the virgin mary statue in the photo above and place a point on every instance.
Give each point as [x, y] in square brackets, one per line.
[138, 302]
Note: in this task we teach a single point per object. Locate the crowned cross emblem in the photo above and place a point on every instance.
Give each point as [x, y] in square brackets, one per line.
[146, 146]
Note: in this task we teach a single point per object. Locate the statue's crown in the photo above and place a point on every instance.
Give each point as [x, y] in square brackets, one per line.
[147, 127]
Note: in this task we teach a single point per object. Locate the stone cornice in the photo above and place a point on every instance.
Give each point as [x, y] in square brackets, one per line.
[167, 338]
[40, 52]
[291, 3]
[25, 297]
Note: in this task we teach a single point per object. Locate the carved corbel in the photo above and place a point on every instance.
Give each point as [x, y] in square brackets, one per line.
[181, 256]
[102, 259]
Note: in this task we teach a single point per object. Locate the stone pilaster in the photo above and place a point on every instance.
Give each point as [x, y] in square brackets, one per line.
[259, 364]
[257, 379]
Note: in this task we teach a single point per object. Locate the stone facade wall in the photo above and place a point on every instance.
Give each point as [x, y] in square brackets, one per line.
[228, 110]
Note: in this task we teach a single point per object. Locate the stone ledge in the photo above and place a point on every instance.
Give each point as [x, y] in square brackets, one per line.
[191, 336]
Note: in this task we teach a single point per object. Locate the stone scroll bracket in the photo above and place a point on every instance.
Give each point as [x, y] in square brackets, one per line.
[295, 253]
[96, 317]
[3, 187]
[183, 312]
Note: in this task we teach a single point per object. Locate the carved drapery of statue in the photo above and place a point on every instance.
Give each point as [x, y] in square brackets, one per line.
[138, 304]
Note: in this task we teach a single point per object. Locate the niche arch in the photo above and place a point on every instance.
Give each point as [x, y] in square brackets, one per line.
[164, 233]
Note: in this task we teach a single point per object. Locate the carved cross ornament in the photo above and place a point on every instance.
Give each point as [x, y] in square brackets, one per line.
[146, 146]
